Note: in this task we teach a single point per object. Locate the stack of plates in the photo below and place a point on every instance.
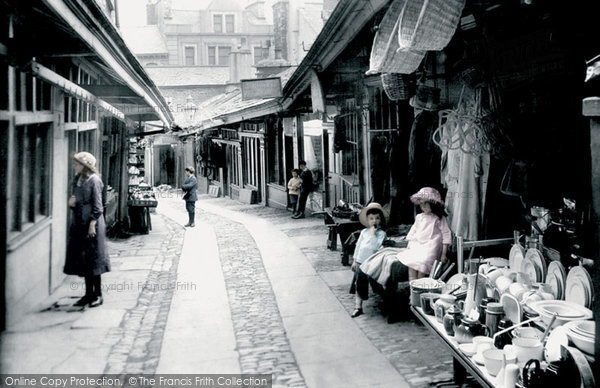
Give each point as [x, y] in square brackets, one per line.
[557, 279]
[529, 268]
[540, 262]
[515, 257]
[582, 334]
[579, 287]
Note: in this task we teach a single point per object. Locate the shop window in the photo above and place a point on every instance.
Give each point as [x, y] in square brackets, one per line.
[218, 23]
[250, 161]
[229, 24]
[24, 91]
[275, 155]
[30, 197]
[86, 141]
[232, 154]
[190, 55]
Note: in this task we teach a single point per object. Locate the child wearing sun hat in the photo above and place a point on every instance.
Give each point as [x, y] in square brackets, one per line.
[373, 216]
[429, 237]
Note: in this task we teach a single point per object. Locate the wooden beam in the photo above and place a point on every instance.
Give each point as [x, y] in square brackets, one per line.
[110, 91]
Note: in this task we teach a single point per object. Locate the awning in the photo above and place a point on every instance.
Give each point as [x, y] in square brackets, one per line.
[73, 89]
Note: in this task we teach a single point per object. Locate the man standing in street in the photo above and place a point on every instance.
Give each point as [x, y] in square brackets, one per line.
[190, 197]
[305, 189]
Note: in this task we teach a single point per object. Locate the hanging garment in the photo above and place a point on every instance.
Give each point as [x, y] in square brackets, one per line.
[339, 134]
[465, 176]
[423, 154]
[380, 171]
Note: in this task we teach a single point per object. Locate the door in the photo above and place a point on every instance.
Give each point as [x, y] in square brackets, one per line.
[344, 177]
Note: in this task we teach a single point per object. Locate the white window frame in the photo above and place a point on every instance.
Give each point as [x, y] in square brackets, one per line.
[186, 46]
[223, 23]
[216, 47]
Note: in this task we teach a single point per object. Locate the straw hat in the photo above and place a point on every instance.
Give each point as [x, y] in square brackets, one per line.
[87, 160]
[427, 194]
[373, 205]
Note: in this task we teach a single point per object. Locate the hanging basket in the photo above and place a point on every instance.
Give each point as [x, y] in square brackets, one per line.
[403, 61]
[398, 86]
[428, 24]
[385, 42]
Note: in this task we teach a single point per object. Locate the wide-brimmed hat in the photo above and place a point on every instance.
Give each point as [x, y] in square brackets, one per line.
[427, 194]
[362, 217]
[426, 97]
[87, 160]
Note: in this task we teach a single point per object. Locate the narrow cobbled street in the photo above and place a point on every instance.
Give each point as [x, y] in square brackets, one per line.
[248, 290]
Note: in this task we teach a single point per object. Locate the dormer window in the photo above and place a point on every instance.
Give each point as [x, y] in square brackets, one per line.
[224, 23]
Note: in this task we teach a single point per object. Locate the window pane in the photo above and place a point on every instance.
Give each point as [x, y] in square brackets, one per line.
[218, 23]
[190, 59]
[224, 55]
[229, 24]
[212, 60]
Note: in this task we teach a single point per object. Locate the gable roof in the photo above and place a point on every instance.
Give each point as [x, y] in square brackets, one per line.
[188, 75]
[144, 40]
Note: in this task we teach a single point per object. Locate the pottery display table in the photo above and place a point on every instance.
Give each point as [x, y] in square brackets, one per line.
[462, 363]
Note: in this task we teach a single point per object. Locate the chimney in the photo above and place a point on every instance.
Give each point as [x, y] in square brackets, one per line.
[280, 28]
[151, 13]
[240, 65]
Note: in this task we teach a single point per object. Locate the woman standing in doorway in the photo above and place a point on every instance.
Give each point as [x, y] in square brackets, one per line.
[87, 254]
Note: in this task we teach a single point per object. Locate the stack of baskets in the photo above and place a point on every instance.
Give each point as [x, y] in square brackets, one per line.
[398, 86]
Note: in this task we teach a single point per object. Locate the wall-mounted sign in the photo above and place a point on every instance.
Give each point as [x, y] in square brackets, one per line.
[261, 88]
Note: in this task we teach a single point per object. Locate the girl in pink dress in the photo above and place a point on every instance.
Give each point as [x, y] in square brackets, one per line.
[429, 237]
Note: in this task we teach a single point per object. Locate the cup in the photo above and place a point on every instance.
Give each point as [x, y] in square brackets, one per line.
[528, 349]
[502, 283]
[492, 359]
[517, 290]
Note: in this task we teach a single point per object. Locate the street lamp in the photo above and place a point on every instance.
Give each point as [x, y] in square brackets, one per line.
[190, 108]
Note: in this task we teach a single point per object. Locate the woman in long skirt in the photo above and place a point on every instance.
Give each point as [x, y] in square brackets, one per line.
[87, 255]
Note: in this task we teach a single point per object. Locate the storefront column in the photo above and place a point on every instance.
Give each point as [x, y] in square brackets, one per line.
[263, 173]
[366, 141]
[591, 109]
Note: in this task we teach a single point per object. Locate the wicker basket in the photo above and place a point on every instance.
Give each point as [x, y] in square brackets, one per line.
[428, 24]
[398, 86]
[403, 61]
[385, 42]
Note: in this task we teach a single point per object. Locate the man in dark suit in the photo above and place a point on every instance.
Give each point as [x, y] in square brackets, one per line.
[190, 197]
[305, 189]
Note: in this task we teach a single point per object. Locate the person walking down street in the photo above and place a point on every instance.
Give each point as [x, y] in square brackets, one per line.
[373, 217]
[87, 253]
[305, 189]
[294, 186]
[190, 196]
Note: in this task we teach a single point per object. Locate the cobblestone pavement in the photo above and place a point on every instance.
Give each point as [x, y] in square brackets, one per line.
[260, 335]
[408, 345]
[140, 334]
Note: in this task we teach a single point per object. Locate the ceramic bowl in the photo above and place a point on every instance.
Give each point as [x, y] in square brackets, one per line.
[468, 349]
[573, 311]
[492, 359]
[527, 332]
[585, 344]
[481, 339]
